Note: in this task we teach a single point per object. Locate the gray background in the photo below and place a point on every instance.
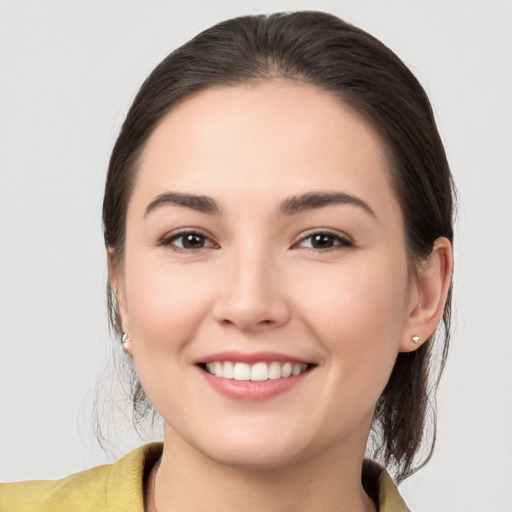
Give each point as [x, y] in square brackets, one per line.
[68, 72]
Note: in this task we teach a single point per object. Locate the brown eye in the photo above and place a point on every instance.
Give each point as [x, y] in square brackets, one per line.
[192, 241]
[321, 241]
[189, 241]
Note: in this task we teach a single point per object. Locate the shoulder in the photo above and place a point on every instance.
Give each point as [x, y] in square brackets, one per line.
[66, 494]
[381, 488]
[117, 486]
[389, 497]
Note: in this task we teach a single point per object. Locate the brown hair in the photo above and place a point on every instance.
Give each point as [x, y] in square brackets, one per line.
[322, 50]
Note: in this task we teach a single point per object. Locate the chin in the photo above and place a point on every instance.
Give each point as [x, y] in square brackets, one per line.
[254, 458]
[249, 448]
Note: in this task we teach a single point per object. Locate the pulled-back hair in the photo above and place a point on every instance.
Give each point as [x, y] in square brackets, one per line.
[322, 50]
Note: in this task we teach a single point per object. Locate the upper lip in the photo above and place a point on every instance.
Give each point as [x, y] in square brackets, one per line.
[251, 358]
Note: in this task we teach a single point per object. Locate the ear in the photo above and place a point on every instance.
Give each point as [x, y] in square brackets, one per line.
[428, 297]
[117, 288]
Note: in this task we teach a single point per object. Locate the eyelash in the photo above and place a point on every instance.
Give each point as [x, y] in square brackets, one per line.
[338, 241]
[170, 241]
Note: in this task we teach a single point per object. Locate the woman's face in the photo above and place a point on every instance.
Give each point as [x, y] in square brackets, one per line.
[263, 237]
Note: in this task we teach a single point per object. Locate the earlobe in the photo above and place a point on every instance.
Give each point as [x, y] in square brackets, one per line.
[432, 285]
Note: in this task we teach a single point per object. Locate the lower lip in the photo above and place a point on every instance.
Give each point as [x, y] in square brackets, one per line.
[249, 390]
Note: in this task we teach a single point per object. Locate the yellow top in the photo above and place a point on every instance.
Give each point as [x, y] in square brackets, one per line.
[119, 487]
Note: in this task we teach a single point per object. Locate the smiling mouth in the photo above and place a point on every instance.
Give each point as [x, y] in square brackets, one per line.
[255, 372]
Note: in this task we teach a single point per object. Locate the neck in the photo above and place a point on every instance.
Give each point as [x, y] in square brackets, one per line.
[185, 480]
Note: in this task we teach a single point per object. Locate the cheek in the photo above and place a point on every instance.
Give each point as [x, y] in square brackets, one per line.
[358, 312]
[369, 297]
[165, 309]
[165, 306]
[357, 319]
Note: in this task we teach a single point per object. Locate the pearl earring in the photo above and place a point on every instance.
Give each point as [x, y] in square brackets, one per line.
[415, 339]
[126, 341]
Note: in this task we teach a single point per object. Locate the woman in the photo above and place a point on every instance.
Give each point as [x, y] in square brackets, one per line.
[278, 224]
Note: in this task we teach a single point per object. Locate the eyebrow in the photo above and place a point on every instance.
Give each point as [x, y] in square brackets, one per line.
[313, 200]
[202, 204]
[290, 206]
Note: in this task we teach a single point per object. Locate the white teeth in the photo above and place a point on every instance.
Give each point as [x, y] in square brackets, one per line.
[286, 370]
[257, 372]
[217, 368]
[274, 371]
[241, 371]
[297, 369]
[227, 370]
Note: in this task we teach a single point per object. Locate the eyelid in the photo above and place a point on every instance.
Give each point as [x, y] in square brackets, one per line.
[345, 240]
[169, 238]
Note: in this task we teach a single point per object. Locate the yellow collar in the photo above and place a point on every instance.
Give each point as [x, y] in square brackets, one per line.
[120, 486]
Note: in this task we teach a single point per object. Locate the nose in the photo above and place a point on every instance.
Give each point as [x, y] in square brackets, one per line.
[251, 295]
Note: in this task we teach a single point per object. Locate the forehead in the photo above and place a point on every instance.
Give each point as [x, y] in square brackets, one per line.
[270, 138]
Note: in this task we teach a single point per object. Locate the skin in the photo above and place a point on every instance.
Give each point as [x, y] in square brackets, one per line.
[256, 281]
